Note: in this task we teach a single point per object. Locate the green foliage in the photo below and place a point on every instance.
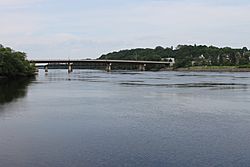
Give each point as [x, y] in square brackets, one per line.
[14, 63]
[135, 54]
[187, 55]
[244, 66]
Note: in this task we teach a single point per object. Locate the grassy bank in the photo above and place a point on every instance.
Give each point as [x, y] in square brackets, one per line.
[245, 68]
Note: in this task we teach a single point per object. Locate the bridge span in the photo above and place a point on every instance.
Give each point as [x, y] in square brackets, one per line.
[141, 64]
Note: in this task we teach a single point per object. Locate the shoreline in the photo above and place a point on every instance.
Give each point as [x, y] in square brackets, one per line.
[207, 69]
[188, 69]
[17, 77]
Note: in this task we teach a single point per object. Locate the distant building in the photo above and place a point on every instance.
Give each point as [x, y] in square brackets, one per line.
[170, 60]
[193, 63]
[202, 56]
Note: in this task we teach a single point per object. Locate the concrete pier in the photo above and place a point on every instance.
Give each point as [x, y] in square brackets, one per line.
[142, 67]
[109, 67]
[46, 68]
[70, 67]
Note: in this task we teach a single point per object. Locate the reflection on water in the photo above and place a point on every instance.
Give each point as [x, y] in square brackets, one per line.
[191, 85]
[12, 89]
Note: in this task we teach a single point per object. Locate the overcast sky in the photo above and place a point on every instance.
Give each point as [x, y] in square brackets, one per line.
[87, 29]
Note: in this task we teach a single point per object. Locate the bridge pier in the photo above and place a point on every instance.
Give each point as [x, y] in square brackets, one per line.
[46, 68]
[109, 67]
[70, 67]
[142, 67]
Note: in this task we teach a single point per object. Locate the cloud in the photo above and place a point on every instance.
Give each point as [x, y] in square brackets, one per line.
[52, 32]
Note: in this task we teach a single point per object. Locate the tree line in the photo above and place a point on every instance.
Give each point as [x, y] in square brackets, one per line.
[14, 63]
[187, 55]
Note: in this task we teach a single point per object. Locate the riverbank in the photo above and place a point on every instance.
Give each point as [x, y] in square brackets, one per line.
[18, 77]
[214, 69]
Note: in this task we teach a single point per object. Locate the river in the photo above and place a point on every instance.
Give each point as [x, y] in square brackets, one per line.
[124, 118]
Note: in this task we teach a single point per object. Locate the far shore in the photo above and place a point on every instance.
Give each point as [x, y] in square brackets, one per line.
[213, 69]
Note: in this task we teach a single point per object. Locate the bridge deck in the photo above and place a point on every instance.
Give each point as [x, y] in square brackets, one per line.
[100, 61]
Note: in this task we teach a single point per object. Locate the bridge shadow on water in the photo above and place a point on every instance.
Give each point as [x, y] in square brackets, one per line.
[13, 89]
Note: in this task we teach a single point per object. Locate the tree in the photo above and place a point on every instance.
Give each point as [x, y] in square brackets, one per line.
[14, 63]
[186, 54]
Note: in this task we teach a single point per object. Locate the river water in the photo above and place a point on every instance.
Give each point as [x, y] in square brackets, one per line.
[124, 118]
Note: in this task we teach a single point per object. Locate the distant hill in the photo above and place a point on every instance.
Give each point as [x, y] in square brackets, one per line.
[187, 55]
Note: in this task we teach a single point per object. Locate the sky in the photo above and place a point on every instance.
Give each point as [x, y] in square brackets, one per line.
[77, 29]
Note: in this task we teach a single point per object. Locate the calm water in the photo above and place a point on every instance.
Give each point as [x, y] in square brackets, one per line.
[94, 118]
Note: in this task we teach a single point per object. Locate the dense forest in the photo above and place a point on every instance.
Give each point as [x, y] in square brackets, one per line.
[187, 55]
[13, 63]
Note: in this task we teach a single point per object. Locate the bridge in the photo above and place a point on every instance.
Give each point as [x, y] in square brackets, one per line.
[70, 63]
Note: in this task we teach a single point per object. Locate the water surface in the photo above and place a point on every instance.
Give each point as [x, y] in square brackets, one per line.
[95, 118]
